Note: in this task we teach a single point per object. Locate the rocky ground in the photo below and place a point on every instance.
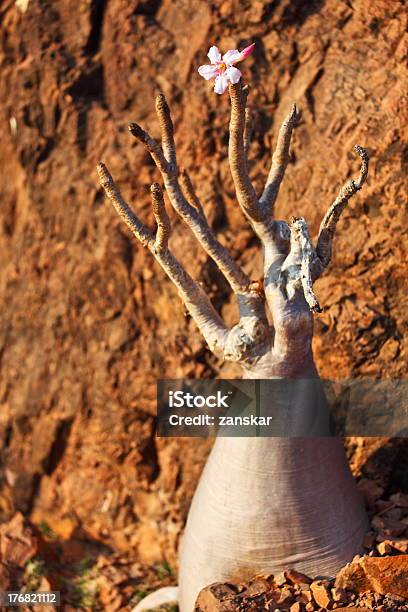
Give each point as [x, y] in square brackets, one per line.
[34, 558]
[89, 322]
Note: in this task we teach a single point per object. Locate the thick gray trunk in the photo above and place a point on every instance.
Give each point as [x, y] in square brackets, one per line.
[268, 504]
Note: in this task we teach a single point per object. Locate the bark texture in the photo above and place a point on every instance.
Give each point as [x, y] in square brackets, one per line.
[88, 320]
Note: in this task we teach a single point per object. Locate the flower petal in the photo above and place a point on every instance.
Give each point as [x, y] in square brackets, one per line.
[247, 51]
[208, 71]
[214, 55]
[233, 74]
[221, 83]
[231, 56]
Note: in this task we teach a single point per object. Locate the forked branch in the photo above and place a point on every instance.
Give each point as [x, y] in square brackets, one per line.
[189, 210]
[194, 297]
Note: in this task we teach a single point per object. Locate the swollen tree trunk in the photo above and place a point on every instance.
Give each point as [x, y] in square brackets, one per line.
[262, 504]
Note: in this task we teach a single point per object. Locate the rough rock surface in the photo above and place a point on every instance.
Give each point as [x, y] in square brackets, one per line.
[263, 593]
[92, 576]
[88, 320]
[384, 575]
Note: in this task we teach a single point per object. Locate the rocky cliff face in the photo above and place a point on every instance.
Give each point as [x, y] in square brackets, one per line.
[88, 320]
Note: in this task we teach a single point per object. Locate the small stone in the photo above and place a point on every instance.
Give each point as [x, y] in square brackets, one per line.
[394, 514]
[296, 577]
[17, 542]
[280, 579]
[400, 544]
[382, 505]
[371, 491]
[339, 595]
[258, 587]
[400, 499]
[4, 577]
[285, 596]
[320, 593]
[309, 607]
[213, 596]
[296, 607]
[305, 597]
[387, 526]
[384, 548]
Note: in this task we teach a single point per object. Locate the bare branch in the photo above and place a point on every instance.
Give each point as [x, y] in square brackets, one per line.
[280, 160]
[199, 306]
[301, 237]
[329, 223]
[236, 277]
[189, 192]
[141, 232]
[167, 132]
[245, 191]
[152, 146]
[161, 216]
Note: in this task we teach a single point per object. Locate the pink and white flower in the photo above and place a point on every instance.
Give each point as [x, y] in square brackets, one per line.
[222, 69]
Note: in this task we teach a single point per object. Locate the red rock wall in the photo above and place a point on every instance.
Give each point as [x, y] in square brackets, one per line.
[88, 320]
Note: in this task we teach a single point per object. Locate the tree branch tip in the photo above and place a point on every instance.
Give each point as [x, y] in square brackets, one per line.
[156, 189]
[161, 103]
[295, 114]
[137, 131]
[362, 153]
[105, 177]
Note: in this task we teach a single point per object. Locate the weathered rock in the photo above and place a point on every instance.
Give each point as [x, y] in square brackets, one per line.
[388, 526]
[400, 544]
[339, 595]
[4, 577]
[216, 597]
[370, 490]
[384, 548]
[284, 596]
[17, 542]
[400, 499]
[295, 577]
[379, 574]
[321, 593]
